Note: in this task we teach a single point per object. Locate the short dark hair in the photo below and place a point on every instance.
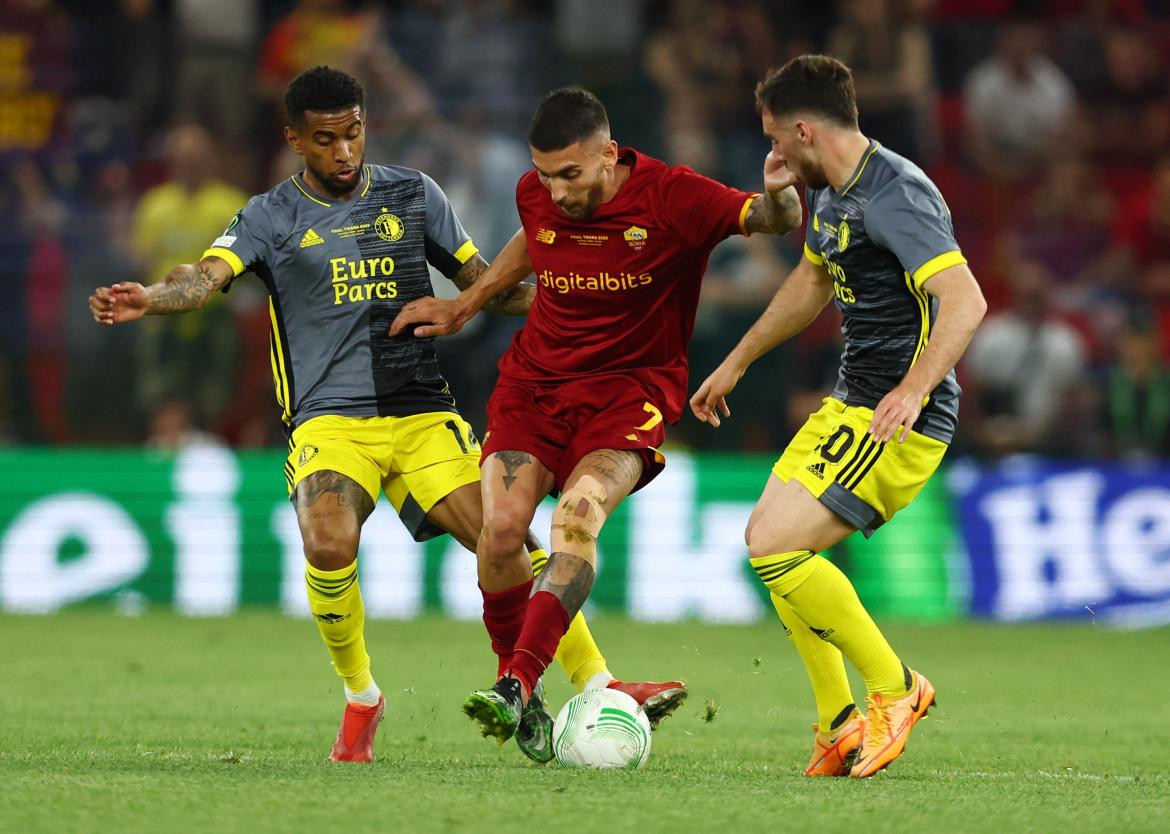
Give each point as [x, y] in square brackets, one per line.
[322, 90]
[816, 84]
[565, 116]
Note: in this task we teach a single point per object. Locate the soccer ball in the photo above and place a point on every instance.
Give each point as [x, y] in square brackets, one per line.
[601, 728]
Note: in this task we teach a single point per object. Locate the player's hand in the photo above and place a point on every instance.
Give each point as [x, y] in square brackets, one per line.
[777, 175]
[895, 415]
[437, 317]
[710, 400]
[123, 302]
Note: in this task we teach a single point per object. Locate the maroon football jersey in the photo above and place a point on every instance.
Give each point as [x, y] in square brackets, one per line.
[617, 293]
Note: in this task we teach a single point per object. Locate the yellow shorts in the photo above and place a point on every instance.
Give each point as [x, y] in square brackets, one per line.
[416, 460]
[862, 481]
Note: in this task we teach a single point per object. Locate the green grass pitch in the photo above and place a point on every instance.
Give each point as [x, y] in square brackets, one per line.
[161, 724]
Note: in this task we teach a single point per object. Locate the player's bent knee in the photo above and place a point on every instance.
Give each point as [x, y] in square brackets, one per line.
[329, 552]
[504, 534]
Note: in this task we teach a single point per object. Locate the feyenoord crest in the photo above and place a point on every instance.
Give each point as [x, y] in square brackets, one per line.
[842, 236]
[308, 452]
[388, 226]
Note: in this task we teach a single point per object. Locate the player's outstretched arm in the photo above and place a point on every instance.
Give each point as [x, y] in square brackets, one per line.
[443, 316]
[799, 300]
[186, 287]
[960, 309]
[514, 301]
[777, 211]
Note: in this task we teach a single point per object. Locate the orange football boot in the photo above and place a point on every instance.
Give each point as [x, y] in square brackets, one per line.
[834, 752]
[658, 700]
[355, 737]
[889, 721]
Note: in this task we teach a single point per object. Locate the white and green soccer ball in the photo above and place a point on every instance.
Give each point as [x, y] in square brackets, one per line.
[601, 728]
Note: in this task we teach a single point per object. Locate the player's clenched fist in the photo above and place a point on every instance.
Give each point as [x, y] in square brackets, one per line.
[710, 400]
[439, 317]
[777, 175]
[125, 301]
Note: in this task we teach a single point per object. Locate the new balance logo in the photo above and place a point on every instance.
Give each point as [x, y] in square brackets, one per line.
[311, 238]
[546, 235]
[332, 619]
[817, 469]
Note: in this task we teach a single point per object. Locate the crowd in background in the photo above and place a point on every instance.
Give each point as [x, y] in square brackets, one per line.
[131, 132]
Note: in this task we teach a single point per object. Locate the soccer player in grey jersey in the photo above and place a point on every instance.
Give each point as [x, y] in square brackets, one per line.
[341, 248]
[880, 242]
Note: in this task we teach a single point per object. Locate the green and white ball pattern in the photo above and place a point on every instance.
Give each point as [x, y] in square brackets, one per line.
[601, 728]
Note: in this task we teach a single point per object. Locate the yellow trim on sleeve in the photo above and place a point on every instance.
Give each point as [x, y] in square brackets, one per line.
[463, 253]
[232, 259]
[936, 265]
[743, 213]
[813, 256]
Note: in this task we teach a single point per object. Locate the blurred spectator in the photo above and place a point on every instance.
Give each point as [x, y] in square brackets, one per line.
[36, 74]
[1065, 224]
[41, 218]
[493, 64]
[742, 277]
[1127, 109]
[1137, 395]
[193, 357]
[98, 236]
[706, 62]
[1018, 106]
[892, 74]
[1022, 363]
[173, 427]
[216, 41]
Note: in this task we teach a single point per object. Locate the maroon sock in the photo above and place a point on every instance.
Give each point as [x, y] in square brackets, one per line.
[544, 625]
[503, 614]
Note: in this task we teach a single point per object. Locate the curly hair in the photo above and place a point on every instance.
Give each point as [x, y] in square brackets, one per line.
[322, 90]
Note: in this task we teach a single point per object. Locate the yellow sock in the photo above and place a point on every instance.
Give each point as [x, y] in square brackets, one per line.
[825, 599]
[578, 653]
[336, 602]
[822, 661]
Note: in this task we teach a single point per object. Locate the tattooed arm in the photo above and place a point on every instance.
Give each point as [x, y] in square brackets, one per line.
[776, 214]
[186, 287]
[513, 301]
[777, 211]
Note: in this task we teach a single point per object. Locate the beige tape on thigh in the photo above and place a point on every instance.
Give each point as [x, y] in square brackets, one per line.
[578, 518]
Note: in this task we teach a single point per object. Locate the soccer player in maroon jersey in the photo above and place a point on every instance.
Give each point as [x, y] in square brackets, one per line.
[619, 242]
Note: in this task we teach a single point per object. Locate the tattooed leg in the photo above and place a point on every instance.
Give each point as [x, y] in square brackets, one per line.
[331, 509]
[513, 482]
[597, 485]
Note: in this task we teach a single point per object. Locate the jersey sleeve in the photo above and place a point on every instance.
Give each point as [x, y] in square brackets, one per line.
[246, 241]
[702, 211]
[812, 246]
[448, 246]
[910, 218]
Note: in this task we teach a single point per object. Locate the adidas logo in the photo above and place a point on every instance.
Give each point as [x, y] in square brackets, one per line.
[311, 238]
[817, 469]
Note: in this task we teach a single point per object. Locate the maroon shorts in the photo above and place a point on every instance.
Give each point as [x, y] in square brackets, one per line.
[563, 422]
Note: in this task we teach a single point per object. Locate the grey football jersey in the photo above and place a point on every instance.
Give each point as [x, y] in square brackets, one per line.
[881, 238]
[337, 274]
